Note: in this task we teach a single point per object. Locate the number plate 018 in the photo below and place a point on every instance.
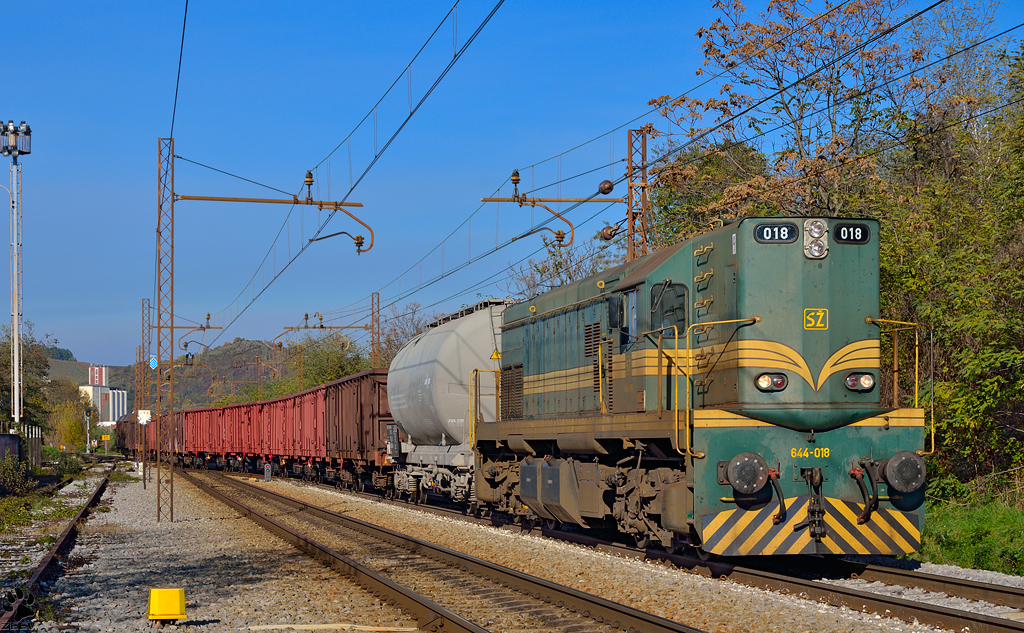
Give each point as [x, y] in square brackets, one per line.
[819, 452]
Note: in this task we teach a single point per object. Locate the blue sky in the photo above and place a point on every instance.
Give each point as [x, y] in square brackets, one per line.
[267, 90]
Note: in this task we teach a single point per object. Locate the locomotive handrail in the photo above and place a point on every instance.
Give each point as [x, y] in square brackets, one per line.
[675, 391]
[917, 368]
[705, 326]
[474, 397]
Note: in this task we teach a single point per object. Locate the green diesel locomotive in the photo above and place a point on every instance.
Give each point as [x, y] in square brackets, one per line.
[722, 393]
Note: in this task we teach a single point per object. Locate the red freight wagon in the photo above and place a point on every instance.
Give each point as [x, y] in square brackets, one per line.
[338, 432]
[357, 417]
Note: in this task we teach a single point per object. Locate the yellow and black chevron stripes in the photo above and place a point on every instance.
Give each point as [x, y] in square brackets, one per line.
[759, 354]
[741, 532]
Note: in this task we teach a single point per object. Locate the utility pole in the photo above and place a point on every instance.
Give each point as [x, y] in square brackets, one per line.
[149, 364]
[15, 142]
[639, 204]
[163, 405]
[375, 351]
[140, 383]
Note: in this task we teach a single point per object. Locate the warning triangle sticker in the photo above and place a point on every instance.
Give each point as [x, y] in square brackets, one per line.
[495, 355]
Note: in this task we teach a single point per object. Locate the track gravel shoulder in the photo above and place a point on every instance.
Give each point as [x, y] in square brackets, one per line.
[235, 574]
[707, 604]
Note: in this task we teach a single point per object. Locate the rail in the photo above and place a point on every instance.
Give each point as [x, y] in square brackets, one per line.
[430, 616]
[749, 572]
[598, 608]
[18, 609]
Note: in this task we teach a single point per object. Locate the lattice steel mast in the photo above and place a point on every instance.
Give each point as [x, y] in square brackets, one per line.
[639, 205]
[163, 409]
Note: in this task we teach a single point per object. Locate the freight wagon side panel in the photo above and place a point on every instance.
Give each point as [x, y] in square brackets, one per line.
[332, 420]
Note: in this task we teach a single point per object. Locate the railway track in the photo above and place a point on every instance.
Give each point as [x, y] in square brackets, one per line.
[17, 605]
[814, 579]
[441, 588]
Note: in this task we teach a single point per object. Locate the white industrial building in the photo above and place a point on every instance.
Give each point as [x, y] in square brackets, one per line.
[111, 402]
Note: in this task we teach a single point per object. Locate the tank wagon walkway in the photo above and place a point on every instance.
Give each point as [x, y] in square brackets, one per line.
[235, 574]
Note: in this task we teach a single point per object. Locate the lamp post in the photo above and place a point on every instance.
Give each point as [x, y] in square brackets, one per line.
[14, 142]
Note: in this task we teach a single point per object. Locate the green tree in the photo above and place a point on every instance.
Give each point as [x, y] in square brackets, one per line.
[560, 265]
[68, 422]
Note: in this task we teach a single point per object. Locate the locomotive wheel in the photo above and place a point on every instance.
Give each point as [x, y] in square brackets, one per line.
[704, 556]
[643, 541]
[551, 525]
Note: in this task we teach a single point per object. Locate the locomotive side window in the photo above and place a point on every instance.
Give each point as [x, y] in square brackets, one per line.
[668, 305]
[776, 233]
[851, 233]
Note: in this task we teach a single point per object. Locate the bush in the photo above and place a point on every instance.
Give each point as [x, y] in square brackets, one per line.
[14, 477]
[67, 465]
[979, 536]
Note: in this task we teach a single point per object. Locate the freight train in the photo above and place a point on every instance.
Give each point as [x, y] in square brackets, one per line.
[721, 393]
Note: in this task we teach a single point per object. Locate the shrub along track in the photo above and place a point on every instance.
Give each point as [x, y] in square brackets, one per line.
[475, 593]
[789, 576]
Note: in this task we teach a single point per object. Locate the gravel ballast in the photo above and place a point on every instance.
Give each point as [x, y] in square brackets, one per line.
[235, 574]
[707, 604]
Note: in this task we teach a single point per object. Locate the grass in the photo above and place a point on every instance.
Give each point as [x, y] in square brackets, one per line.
[14, 513]
[20, 512]
[119, 476]
[980, 536]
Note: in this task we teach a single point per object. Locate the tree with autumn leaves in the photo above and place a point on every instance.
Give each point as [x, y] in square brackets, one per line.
[865, 109]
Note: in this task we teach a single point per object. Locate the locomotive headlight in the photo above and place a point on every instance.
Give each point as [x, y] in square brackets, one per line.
[860, 382]
[815, 239]
[772, 382]
[747, 473]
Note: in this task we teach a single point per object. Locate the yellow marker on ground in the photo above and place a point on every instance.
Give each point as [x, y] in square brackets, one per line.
[167, 604]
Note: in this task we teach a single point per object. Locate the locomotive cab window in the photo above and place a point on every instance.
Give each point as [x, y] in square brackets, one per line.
[668, 305]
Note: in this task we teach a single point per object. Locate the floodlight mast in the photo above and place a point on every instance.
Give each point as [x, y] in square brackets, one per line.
[16, 141]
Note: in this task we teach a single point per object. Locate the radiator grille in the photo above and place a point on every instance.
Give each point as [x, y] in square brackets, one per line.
[512, 393]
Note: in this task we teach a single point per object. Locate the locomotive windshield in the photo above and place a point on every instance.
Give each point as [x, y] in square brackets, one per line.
[668, 305]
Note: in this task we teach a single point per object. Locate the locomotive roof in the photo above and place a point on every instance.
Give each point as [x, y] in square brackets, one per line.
[619, 277]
